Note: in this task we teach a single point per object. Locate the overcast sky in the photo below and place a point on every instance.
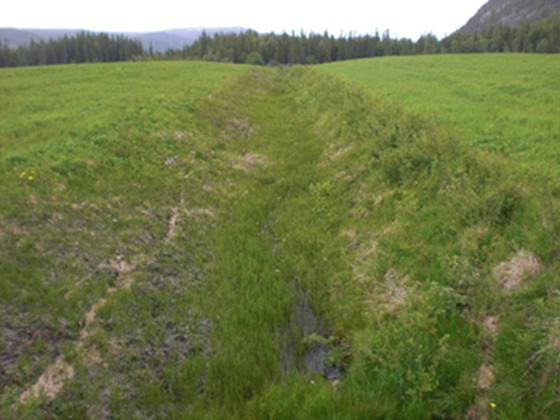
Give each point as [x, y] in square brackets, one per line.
[404, 18]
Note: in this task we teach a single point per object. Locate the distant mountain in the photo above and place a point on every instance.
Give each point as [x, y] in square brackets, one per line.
[510, 13]
[192, 34]
[54, 33]
[160, 41]
[16, 37]
[176, 38]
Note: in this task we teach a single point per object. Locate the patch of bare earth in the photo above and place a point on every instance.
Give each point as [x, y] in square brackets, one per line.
[390, 296]
[344, 175]
[361, 266]
[362, 248]
[490, 324]
[485, 376]
[387, 296]
[336, 154]
[362, 208]
[173, 219]
[19, 338]
[196, 212]
[236, 128]
[480, 409]
[394, 291]
[176, 135]
[51, 382]
[247, 161]
[333, 153]
[123, 271]
[510, 275]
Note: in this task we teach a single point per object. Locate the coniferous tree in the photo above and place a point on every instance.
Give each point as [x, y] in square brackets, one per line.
[252, 47]
[82, 48]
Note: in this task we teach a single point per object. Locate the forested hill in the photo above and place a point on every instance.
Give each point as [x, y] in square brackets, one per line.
[84, 47]
[158, 41]
[510, 13]
[254, 48]
[250, 47]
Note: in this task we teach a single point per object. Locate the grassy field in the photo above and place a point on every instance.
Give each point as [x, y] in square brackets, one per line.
[195, 240]
[506, 103]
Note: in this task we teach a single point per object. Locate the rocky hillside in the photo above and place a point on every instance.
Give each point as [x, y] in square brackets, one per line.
[510, 13]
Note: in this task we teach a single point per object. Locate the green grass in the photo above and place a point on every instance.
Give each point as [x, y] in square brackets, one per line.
[94, 158]
[501, 102]
[227, 222]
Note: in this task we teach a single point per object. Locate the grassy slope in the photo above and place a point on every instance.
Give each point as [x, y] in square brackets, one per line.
[502, 102]
[93, 163]
[232, 230]
[507, 105]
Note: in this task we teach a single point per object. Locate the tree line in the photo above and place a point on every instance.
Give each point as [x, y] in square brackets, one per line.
[541, 37]
[253, 48]
[84, 47]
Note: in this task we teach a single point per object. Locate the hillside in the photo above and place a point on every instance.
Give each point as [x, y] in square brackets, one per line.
[487, 99]
[217, 241]
[160, 41]
[510, 13]
[15, 37]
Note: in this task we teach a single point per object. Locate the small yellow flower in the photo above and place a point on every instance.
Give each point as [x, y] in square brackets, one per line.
[22, 175]
[492, 405]
[31, 178]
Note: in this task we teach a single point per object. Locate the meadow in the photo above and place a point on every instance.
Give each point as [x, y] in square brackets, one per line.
[499, 102]
[202, 240]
